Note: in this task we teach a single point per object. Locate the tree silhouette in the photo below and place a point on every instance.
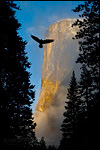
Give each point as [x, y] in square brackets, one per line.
[69, 124]
[51, 147]
[16, 91]
[42, 144]
[89, 45]
[87, 123]
[89, 81]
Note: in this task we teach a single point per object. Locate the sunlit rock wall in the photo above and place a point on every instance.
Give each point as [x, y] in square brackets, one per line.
[58, 63]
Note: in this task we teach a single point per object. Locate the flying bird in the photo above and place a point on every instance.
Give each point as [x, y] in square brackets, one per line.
[40, 41]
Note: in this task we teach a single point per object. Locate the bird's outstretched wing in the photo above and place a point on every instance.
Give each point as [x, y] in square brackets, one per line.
[35, 38]
[47, 41]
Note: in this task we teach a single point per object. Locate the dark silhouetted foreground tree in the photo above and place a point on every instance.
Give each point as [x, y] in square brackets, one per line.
[71, 114]
[88, 122]
[90, 60]
[42, 144]
[16, 91]
[89, 45]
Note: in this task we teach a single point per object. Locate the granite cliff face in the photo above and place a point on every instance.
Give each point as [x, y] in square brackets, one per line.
[58, 63]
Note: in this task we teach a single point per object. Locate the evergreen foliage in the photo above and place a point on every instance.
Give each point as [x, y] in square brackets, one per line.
[90, 59]
[89, 44]
[43, 144]
[16, 91]
[51, 147]
[87, 125]
[81, 124]
[71, 114]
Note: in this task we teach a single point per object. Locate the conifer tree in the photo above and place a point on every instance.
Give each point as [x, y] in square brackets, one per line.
[51, 147]
[90, 65]
[42, 144]
[16, 91]
[69, 124]
[89, 44]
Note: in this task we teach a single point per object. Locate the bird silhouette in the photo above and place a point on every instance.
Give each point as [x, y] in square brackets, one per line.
[40, 41]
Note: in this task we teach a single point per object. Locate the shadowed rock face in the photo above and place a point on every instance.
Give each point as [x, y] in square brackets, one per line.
[58, 63]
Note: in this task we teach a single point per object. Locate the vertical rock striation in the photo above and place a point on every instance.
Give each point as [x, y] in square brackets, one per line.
[58, 63]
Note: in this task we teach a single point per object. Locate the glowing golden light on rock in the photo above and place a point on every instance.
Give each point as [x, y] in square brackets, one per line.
[58, 63]
[49, 89]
